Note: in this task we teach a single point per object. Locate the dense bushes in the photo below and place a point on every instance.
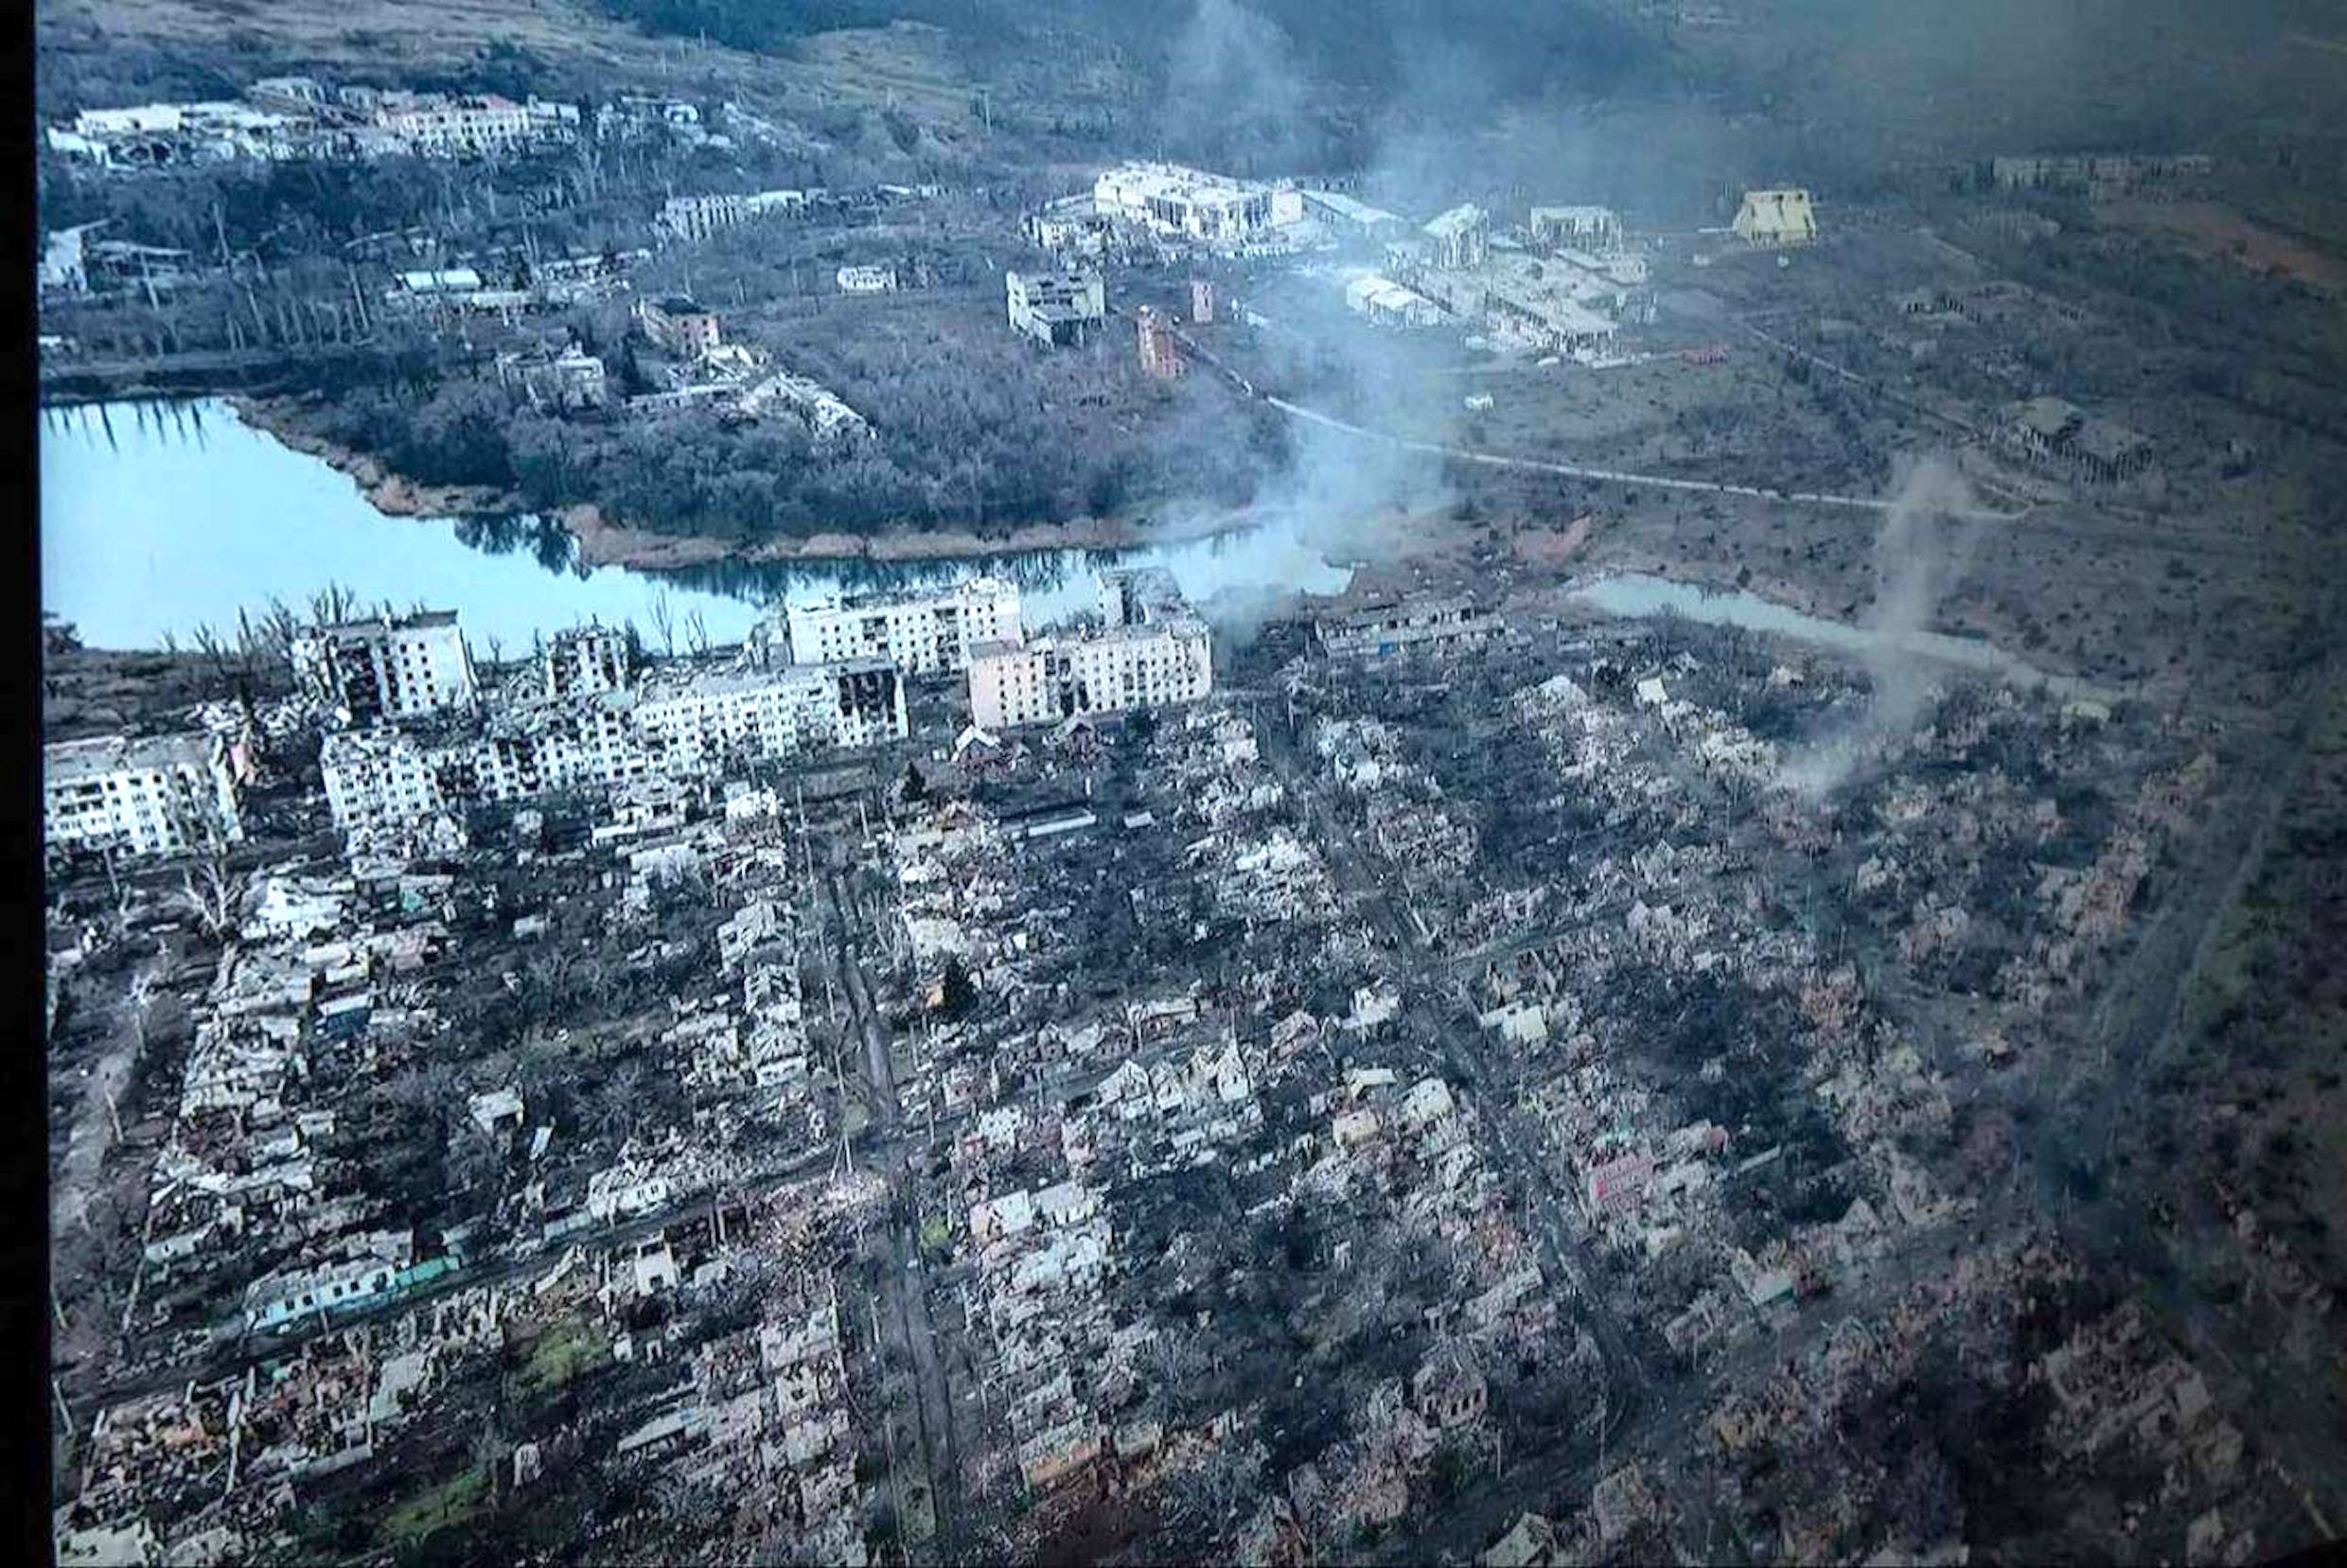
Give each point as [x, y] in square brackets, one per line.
[955, 448]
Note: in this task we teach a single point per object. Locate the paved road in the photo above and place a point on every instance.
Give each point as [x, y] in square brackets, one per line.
[1615, 476]
[1532, 465]
[75, 1181]
[906, 1288]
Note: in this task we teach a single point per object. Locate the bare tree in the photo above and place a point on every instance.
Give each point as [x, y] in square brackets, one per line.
[664, 622]
[215, 652]
[211, 888]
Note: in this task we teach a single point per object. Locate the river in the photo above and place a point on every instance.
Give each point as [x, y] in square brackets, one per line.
[160, 518]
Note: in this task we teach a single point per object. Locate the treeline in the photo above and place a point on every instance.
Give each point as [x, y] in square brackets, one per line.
[1505, 47]
[955, 448]
[762, 25]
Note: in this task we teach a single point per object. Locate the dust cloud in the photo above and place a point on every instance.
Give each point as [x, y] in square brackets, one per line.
[1920, 554]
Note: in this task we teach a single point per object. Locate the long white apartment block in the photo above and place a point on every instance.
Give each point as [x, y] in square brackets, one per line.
[1152, 650]
[701, 725]
[365, 672]
[923, 634]
[158, 795]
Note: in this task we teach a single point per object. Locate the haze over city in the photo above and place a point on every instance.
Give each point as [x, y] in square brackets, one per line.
[917, 782]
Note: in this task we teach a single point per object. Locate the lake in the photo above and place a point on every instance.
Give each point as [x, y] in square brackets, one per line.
[158, 517]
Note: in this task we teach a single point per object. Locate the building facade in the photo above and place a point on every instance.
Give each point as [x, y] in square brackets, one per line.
[367, 672]
[679, 326]
[699, 726]
[1161, 355]
[1773, 218]
[587, 660]
[1404, 625]
[1596, 229]
[161, 795]
[926, 635]
[2062, 435]
[1458, 238]
[571, 379]
[1056, 309]
[1152, 650]
[1184, 204]
[436, 126]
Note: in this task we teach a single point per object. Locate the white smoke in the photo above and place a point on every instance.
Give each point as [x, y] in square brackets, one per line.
[1921, 554]
[1230, 69]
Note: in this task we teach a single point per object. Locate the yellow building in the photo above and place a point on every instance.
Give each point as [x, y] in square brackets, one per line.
[1777, 218]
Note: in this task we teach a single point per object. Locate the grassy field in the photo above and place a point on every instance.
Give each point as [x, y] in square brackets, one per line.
[450, 1502]
[2269, 1020]
[563, 1353]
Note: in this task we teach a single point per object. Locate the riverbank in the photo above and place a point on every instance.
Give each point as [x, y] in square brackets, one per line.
[392, 494]
[603, 542]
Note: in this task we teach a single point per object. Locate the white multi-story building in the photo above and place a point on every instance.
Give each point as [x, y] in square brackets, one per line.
[156, 796]
[1458, 238]
[1152, 650]
[699, 725]
[924, 635]
[433, 126]
[1187, 203]
[365, 672]
[1054, 308]
[587, 660]
[695, 218]
[378, 779]
[703, 722]
[1594, 229]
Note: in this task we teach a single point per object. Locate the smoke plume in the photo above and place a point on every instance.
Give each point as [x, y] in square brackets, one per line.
[1920, 554]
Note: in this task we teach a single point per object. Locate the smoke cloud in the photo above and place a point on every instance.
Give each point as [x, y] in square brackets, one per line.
[1233, 77]
[1922, 552]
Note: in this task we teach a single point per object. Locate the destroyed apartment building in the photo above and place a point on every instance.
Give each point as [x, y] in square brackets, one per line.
[156, 795]
[1598, 230]
[596, 724]
[1567, 300]
[678, 325]
[563, 380]
[1160, 351]
[697, 218]
[361, 673]
[1152, 649]
[2063, 437]
[285, 120]
[1773, 219]
[923, 634]
[1414, 624]
[1191, 204]
[737, 379]
[1057, 310]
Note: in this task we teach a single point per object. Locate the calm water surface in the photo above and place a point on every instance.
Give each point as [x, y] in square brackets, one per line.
[158, 517]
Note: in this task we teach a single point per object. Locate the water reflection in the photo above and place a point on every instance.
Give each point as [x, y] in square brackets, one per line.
[158, 517]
